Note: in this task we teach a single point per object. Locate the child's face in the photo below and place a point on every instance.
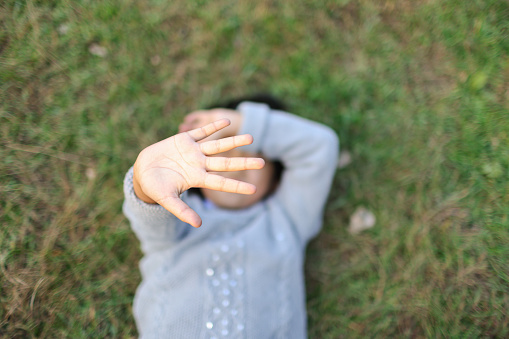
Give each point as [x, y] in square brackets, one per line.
[261, 178]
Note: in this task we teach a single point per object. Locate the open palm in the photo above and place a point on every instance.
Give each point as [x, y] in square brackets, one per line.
[166, 169]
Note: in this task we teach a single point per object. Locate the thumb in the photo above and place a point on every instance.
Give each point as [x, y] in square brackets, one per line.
[181, 210]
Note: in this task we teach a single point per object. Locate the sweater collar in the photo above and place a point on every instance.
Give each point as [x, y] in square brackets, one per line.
[222, 218]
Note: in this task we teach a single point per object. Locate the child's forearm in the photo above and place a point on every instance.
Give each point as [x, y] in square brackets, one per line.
[155, 227]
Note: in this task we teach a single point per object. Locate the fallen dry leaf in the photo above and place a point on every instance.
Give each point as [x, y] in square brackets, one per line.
[98, 50]
[362, 219]
[63, 29]
[91, 173]
[155, 60]
[345, 158]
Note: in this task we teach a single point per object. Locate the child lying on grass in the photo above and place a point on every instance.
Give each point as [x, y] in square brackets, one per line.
[240, 275]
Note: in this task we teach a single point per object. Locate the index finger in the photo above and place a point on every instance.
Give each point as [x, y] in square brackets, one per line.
[202, 132]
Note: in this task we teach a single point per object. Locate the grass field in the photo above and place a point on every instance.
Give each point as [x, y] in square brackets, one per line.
[417, 91]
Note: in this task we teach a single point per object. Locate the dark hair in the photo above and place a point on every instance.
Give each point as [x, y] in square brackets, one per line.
[273, 103]
[263, 98]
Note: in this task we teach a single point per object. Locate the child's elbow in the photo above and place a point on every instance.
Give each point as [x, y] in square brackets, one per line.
[329, 142]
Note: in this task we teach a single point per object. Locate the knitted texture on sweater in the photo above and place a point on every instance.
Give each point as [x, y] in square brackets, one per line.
[240, 275]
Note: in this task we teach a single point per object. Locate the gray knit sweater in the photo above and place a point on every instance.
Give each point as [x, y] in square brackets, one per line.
[240, 275]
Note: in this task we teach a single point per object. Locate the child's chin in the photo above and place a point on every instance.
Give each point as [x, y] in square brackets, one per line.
[232, 201]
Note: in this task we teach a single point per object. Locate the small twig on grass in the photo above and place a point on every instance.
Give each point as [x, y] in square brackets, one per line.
[34, 293]
[55, 154]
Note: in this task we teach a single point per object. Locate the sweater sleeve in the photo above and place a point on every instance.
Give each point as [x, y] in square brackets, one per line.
[155, 227]
[309, 153]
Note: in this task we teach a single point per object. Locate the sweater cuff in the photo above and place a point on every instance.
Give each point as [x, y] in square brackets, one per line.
[254, 121]
[137, 206]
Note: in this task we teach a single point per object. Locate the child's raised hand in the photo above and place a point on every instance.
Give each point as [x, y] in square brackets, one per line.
[166, 169]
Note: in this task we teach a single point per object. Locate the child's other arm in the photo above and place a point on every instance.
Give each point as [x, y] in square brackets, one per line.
[308, 151]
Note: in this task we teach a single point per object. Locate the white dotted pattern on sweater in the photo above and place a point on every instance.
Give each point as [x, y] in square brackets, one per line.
[225, 282]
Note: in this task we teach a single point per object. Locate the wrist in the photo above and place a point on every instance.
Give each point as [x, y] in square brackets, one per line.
[139, 191]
